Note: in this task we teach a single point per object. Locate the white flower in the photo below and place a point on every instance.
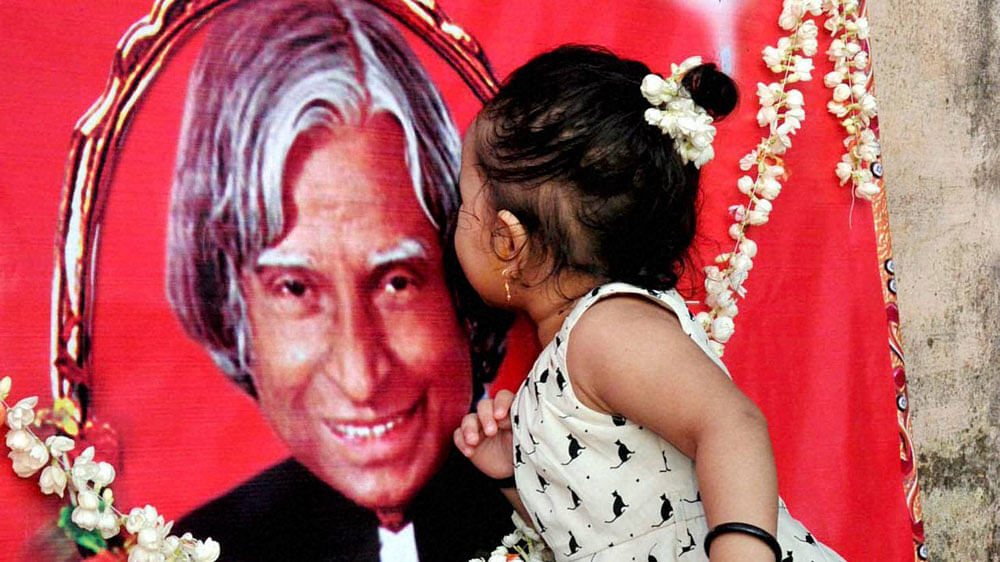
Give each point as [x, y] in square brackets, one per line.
[801, 69]
[105, 475]
[53, 480]
[745, 184]
[859, 78]
[704, 318]
[151, 541]
[850, 124]
[4, 388]
[22, 414]
[511, 539]
[774, 57]
[838, 109]
[738, 212]
[759, 215]
[831, 79]
[716, 347]
[767, 115]
[866, 190]
[735, 231]
[742, 262]
[722, 329]
[108, 524]
[84, 469]
[769, 188]
[86, 515]
[139, 554]
[495, 558]
[809, 46]
[656, 90]
[844, 169]
[20, 440]
[868, 145]
[27, 463]
[807, 30]
[794, 99]
[868, 105]
[677, 70]
[859, 27]
[777, 145]
[837, 49]
[769, 93]
[59, 445]
[860, 60]
[784, 131]
[748, 247]
[748, 161]
[736, 279]
[722, 303]
[787, 20]
[773, 171]
[841, 92]
[714, 280]
[207, 551]
[142, 518]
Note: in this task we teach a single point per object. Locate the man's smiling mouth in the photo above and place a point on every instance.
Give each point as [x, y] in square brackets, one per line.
[359, 431]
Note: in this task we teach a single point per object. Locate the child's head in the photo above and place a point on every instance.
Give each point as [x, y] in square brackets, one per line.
[565, 148]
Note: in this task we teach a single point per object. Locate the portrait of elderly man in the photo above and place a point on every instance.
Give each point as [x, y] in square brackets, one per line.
[310, 253]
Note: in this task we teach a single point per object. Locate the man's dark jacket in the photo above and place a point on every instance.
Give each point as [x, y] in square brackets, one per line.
[286, 513]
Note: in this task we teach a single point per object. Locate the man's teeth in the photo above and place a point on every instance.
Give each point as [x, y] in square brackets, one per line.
[367, 431]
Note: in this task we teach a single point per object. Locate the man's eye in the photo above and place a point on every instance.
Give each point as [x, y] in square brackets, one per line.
[398, 283]
[291, 287]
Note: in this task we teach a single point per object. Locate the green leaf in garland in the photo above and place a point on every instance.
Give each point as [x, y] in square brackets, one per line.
[91, 540]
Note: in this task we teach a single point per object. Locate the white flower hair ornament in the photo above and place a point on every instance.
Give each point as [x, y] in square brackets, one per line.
[676, 114]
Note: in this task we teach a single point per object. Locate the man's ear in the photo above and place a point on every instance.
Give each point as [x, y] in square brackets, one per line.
[510, 241]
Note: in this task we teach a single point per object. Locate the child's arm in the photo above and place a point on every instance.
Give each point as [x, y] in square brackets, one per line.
[630, 356]
[485, 438]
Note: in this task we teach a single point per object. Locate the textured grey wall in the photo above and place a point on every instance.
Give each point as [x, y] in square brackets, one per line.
[938, 80]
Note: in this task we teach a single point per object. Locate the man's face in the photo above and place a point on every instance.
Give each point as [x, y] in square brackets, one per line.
[358, 360]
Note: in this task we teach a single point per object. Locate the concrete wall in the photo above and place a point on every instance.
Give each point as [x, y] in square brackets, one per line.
[938, 80]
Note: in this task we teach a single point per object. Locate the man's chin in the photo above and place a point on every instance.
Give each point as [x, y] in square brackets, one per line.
[387, 495]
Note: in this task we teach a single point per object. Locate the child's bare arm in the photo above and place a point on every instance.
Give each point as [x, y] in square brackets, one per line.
[629, 356]
[485, 438]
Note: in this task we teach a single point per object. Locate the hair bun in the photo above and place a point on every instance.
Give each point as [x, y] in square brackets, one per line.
[712, 89]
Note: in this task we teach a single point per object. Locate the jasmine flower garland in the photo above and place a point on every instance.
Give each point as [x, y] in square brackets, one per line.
[86, 483]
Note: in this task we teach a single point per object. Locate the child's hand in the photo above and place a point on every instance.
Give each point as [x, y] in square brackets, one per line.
[485, 436]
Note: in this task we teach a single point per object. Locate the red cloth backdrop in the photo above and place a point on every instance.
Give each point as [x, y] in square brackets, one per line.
[810, 346]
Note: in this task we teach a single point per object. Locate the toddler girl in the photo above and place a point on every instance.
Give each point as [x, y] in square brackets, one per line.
[627, 440]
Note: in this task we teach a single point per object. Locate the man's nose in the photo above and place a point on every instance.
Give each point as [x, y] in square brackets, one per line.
[360, 363]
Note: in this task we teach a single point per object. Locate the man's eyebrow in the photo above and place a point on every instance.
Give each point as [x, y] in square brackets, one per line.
[406, 249]
[271, 257]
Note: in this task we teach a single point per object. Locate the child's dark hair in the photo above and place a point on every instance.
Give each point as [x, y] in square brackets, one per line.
[564, 145]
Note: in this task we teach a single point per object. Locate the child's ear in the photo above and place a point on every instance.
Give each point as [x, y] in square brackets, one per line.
[511, 239]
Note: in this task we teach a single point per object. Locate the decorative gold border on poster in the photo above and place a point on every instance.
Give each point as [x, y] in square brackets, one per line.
[907, 452]
[100, 132]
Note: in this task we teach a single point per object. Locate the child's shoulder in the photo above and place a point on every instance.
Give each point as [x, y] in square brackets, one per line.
[619, 322]
[628, 311]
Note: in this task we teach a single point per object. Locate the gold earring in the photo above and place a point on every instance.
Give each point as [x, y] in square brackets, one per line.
[506, 283]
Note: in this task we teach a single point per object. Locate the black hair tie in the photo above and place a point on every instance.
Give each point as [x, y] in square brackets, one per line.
[746, 529]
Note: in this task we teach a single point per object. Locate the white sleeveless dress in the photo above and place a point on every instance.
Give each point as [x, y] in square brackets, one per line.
[600, 488]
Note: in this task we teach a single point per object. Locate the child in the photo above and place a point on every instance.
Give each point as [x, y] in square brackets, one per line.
[628, 441]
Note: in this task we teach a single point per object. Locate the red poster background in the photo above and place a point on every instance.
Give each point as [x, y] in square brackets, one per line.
[810, 346]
